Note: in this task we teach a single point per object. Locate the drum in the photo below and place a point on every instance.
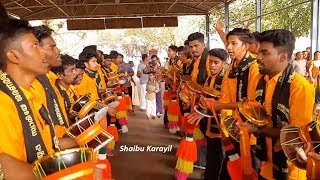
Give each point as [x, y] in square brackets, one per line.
[86, 132]
[68, 164]
[253, 112]
[195, 91]
[207, 93]
[89, 108]
[231, 128]
[123, 78]
[292, 138]
[113, 79]
[78, 104]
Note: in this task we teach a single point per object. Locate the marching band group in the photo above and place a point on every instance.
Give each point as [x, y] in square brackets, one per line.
[254, 116]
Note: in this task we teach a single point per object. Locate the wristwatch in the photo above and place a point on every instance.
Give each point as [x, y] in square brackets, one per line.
[1, 173]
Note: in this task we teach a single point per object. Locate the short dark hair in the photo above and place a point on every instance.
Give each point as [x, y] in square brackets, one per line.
[154, 56]
[80, 65]
[90, 48]
[298, 52]
[144, 56]
[196, 36]
[219, 53]
[283, 40]
[255, 36]
[14, 28]
[66, 61]
[308, 48]
[173, 47]
[316, 52]
[113, 54]
[244, 35]
[107, 56]
[304, 51]
[85, 56]
[101, 52]
[180, 48]
[186, 42]
[120, 55]
[42, 32]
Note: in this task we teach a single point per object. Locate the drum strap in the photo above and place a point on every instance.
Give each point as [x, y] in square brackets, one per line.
[202, 69]
[280, 98]
[280, 109]
[187, 69]
[241, 72]
[53, 106]
[35, 148]
[219, 78]
[67, 101]
[96, 77]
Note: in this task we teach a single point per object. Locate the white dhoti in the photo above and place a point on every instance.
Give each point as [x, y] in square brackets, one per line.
[151, 108]
[142, 96]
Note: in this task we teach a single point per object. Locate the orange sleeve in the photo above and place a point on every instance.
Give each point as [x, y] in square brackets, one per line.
[225, 89]
[301, 101]
[86, 86]
[11, 134]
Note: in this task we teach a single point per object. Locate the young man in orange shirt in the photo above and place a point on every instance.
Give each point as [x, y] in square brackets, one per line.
[25, 134]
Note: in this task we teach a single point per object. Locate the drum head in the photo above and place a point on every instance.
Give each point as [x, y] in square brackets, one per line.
[211, 92]
[61, 160]
[254, 112]
[101, 114]
[106, 94]
[79, 103]
[194, 87]
[203, 111]
[88, 108]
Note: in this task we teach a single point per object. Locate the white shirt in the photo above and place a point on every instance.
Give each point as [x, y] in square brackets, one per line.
[301, 67]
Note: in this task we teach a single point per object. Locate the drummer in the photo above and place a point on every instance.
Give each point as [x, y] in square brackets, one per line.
[214, 167]
[128, 69]
[22, 60]
[239, 76]
[45, 86]
[67, 75]
[287, 97]
[91, 82]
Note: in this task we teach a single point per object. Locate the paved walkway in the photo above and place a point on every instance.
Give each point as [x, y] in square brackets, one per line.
[146, 165]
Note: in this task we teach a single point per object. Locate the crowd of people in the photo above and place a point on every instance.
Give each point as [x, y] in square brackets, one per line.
[41, 89]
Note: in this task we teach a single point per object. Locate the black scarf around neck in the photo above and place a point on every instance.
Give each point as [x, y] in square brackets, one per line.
[187, 70]
[218, 80]
[280, 105]
[202, 68]
[66, 99]
[35, 148]
[241, 72]
[94, 75]
[53, 105]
